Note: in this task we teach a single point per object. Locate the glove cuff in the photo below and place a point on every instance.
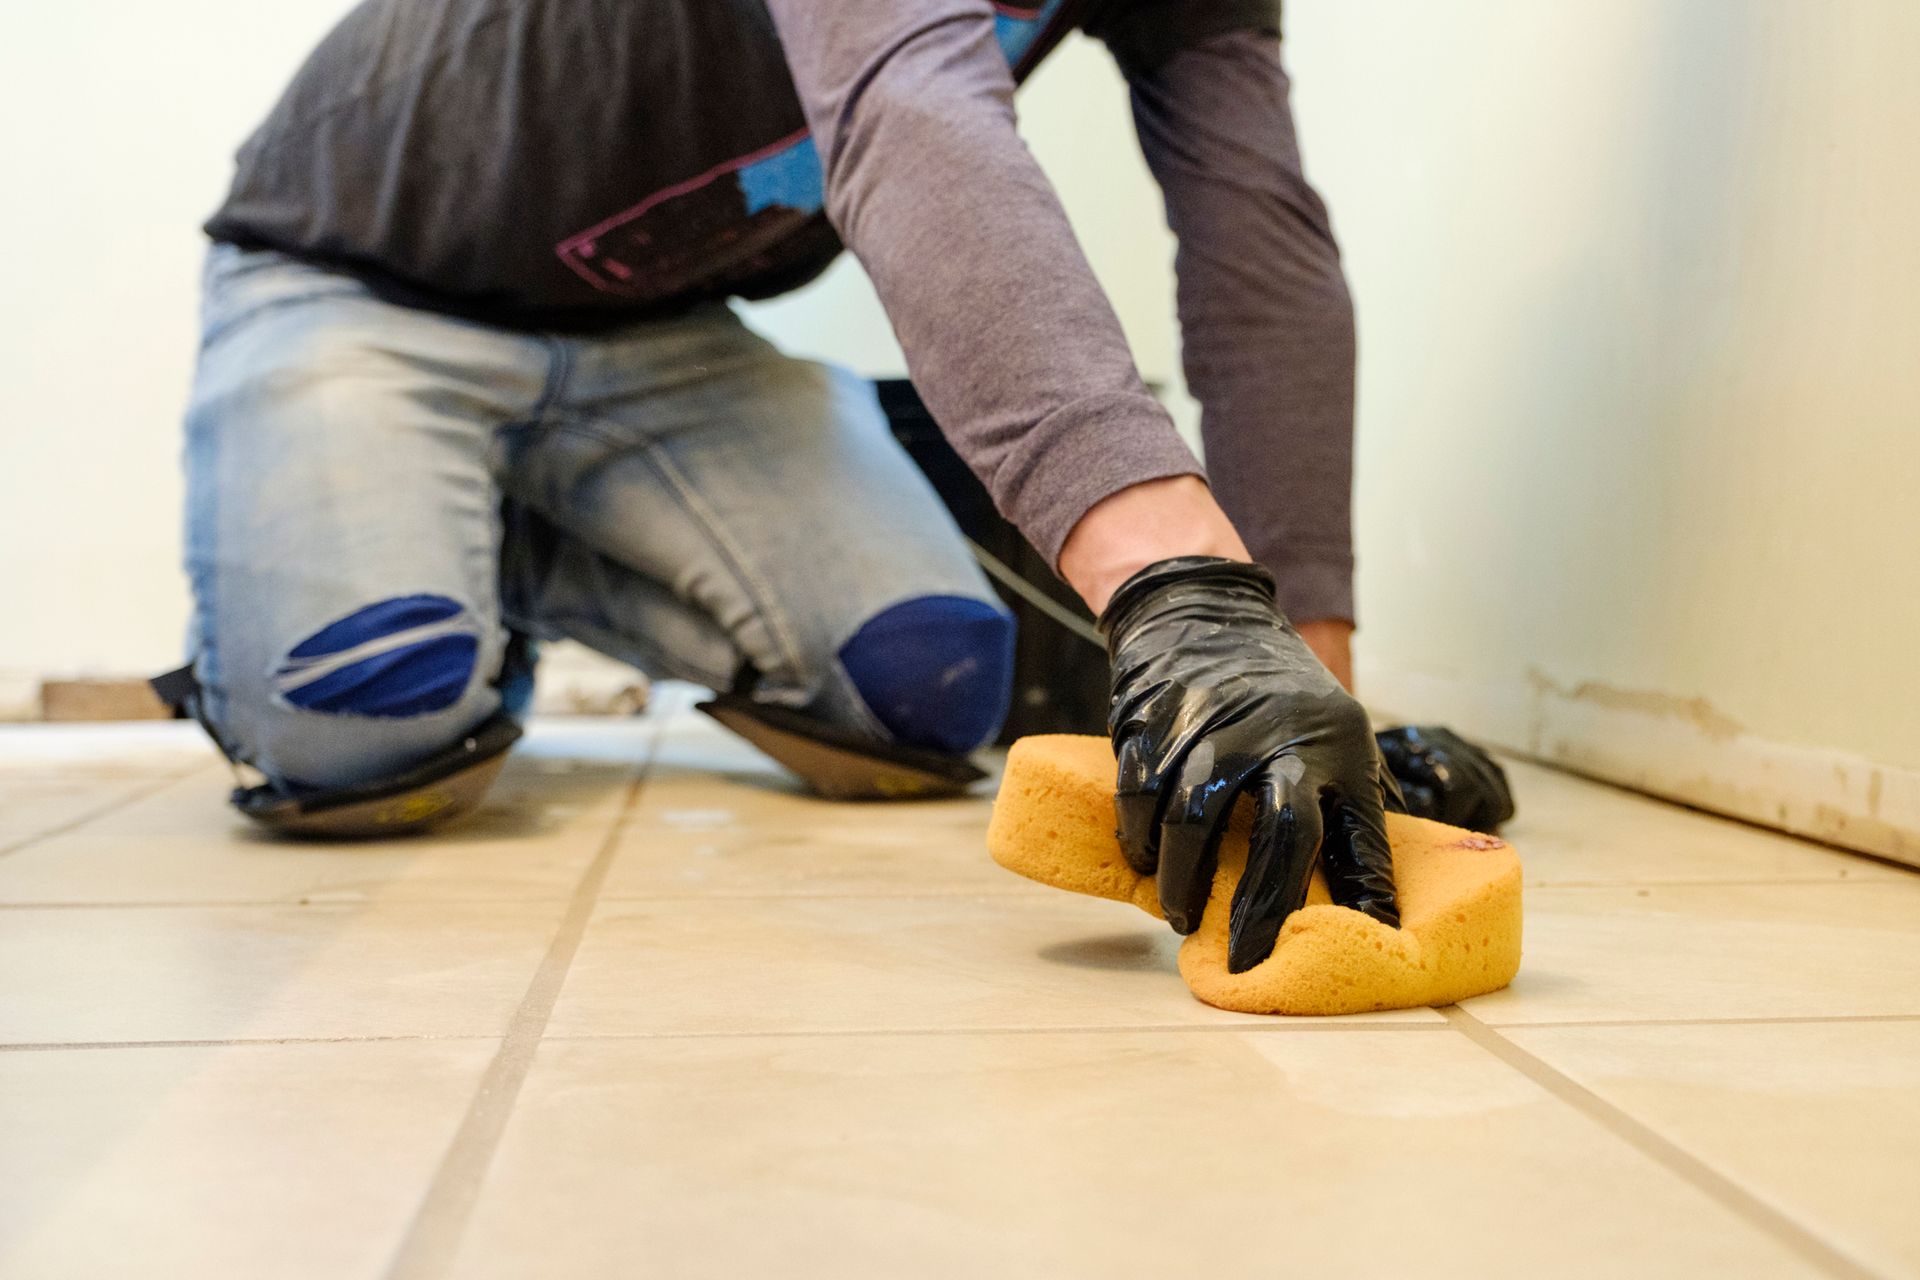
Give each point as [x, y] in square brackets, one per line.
[1182, 571]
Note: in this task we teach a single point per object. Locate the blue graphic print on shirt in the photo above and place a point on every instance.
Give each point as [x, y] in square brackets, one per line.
[792, 177]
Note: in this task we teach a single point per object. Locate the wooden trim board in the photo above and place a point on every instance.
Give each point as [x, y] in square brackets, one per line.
[1672, 748]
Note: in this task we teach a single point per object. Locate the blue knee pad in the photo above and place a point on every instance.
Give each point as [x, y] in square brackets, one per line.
[936, 671]
[407, 656]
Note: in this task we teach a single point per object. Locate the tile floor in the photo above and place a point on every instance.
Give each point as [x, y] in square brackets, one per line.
[652, 1013]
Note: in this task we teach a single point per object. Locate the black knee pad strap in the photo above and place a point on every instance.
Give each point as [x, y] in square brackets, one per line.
[445, 785]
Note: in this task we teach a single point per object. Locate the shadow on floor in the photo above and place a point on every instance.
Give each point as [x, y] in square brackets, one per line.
[1111, 951]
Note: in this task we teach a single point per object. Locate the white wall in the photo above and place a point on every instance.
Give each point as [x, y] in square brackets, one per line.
[116, 122]
[1640, 327]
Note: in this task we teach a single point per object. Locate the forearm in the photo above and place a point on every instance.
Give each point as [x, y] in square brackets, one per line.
[1163, 519]
[1139, 526]
[1266, 318]
[1007, 335]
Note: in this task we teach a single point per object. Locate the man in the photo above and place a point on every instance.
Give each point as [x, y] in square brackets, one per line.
[469, 376]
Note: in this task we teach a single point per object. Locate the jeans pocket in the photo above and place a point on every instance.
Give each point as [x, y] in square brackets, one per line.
[238, 284]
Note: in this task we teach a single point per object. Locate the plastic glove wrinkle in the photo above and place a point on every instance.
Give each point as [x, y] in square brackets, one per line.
[1215, 694]
[1447, 778]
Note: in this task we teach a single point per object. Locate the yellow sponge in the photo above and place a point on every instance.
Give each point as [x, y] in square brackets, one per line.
[1459, 896]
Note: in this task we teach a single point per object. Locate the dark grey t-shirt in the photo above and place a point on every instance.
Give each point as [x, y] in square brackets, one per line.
[583, 163]
[555, 163]
[558, 163]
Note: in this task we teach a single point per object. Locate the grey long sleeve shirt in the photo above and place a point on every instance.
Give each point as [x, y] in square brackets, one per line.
[1266, 320]
[587, 163]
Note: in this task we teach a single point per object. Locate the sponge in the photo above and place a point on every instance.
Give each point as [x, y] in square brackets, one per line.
[1459, 896]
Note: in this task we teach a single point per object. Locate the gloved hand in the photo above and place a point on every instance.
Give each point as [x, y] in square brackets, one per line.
[1214, 693]
[1446, 778]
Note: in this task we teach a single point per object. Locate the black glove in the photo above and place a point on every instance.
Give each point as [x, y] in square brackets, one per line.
[1446, 778]
[1214, 693]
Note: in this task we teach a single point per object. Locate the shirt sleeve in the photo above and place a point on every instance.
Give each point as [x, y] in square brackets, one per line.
[1266, 320]
[1007, 335]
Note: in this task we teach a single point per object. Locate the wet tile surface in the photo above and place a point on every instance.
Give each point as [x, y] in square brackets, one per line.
[720, 820]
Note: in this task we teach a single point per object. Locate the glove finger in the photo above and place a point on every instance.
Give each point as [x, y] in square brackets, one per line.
[1136, 807]
[1410, 753]
[1280, 854]
[1421, 802]
[1493, 797]
[1393, 750]
[1392, 795]
[1356, 856]
[1463, 784]
[1198, 804]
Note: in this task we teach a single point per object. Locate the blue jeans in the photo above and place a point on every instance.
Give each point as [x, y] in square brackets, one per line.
[379, 496]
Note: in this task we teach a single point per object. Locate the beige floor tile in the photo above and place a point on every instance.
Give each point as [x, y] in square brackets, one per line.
[36, 808]
[254, 1160]
[695, 834]
[88, 975]
[717, 818]
[1822, 1120]
[554, 804]
[793, 846]
[1571, 830]
[54, 775]
[1354, 1152]
[706, 966]
[1719, 951]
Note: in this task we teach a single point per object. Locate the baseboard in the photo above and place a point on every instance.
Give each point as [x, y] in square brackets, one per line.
[19, 695]
[1675, 748]
[91, 698]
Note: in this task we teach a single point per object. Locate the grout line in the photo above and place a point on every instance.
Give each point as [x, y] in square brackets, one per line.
[256, 904]
[301, 904]
[1795, 1020]
[120, 802]
[1273, 1026]
[1836, 877]
[51, 1046]
[1266, 1026]
[439, 1224]
[1039, 892]
[1760, 882]
[1744, 1204]
[426, 900]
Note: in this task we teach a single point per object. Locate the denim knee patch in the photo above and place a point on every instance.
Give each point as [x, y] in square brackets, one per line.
[936, 671]
[402, 657]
